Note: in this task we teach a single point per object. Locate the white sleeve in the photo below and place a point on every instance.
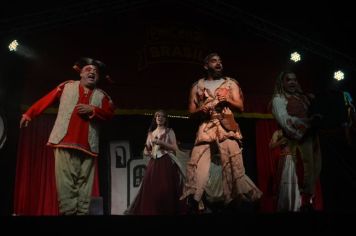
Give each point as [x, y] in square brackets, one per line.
[288, 123]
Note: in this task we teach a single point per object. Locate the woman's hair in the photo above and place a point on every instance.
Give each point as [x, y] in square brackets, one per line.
[153, 125]
[278, 86]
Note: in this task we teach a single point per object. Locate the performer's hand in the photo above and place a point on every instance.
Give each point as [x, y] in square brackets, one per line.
[227, 111]
[24, 122]
[221, 98]
[157, 141]
[204, 109]
[283, 141]
[84, 109]
[147, 153]
[222, 94]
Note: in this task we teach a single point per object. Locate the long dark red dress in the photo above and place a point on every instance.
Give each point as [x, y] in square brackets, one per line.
[160, 190]
[161, 187]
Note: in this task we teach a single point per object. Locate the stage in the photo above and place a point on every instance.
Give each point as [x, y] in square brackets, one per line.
[247, 223]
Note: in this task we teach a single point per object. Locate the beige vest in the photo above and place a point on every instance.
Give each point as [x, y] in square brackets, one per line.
[211, 130]
[68, 101]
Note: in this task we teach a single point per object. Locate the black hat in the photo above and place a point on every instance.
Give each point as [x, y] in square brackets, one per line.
[84, 61]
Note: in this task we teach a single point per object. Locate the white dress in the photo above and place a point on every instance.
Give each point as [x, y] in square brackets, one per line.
[289, 196]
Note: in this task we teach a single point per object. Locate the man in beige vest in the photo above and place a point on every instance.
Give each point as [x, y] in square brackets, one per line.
[75, 135]
[214, 98]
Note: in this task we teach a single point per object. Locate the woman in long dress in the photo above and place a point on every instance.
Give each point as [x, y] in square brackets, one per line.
[163, 180]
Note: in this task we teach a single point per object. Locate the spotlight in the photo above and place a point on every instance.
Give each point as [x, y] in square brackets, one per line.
[339, 75]
[13, 45]
[20, 49]
[295, 56]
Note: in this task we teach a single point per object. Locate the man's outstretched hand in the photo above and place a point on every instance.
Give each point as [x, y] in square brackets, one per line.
[24, 122]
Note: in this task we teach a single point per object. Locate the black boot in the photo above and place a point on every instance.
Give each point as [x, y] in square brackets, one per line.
[193, 205]
[307, 205]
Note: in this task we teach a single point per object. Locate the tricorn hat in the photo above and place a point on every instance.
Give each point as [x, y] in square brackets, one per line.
[84, 61]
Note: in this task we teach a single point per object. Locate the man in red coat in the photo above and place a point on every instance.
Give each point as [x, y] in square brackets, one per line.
[75, 134]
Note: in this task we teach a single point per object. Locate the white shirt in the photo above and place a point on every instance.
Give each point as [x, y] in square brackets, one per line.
[212, 85]
[288, 123]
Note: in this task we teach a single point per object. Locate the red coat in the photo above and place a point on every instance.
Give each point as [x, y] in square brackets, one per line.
[77, 133]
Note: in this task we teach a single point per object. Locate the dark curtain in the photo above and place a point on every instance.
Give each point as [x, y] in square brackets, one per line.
[267, 162]
[35, 186]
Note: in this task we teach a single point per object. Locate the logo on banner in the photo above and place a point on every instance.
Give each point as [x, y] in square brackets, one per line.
[173, 43]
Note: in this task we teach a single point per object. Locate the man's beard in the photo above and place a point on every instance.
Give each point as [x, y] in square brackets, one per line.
[215, 74]
[296, 90]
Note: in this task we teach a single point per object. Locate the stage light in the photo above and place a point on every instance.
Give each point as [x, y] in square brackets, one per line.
[21, 50]
[295, 56]
[13, 45]
[179, 117]
[170, 116]
[339, 75]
